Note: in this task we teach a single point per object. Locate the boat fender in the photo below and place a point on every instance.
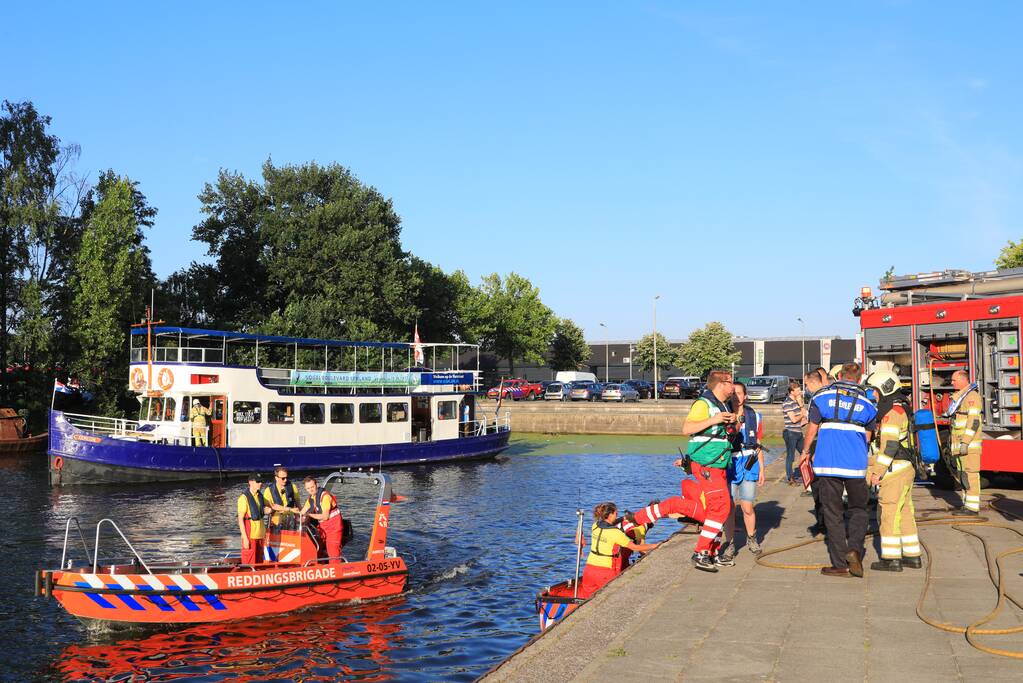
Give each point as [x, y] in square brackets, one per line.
[926, 436]
[58, 463]
[48, 584]
[38, 580]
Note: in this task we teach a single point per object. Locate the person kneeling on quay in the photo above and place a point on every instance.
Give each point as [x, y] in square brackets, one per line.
[606, 542]
[322, 507]
[250, 521]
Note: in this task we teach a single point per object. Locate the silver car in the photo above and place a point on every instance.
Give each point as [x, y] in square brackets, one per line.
[619, 392]
[557, 391]
[767, 388]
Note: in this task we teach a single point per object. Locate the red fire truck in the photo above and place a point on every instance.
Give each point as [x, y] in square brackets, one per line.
[927, 326]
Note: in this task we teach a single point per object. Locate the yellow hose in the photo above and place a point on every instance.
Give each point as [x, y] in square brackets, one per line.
[998, 578]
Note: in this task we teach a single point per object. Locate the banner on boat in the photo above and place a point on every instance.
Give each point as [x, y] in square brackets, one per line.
[353, 379]
[446, 378]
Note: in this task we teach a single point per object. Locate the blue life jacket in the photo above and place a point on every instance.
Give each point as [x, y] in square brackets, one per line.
[737, 471]
[845, 415]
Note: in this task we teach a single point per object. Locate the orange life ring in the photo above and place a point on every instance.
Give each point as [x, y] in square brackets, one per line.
[165, 379]
[138, 380]
[58, 463]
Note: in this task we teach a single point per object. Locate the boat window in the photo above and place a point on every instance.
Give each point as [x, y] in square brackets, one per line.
[143, 409]
[248, 412]
[168, 409]
[397, 412]
[185, 402]
[342, 413]
[155, 409]
[446, 410]
[310, 413]
[280, 413]
[370, 412]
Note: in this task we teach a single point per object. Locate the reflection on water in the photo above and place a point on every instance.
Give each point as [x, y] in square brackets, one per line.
[480, 538]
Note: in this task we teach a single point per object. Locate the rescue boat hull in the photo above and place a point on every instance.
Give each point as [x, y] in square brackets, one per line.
[216, 596]
[80, 457]
[556, 603]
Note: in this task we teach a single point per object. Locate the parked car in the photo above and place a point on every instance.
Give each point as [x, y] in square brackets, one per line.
[767, 388]
[619, 392]
[516, 389]
[573, 376]
[672, 388]
[644, 388]
[585, 391]
[557, 391]
[691, 386]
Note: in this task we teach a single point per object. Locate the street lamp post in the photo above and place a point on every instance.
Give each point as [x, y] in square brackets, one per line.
[655, 346]
[607, 368]
[802, 339]
[632, 350]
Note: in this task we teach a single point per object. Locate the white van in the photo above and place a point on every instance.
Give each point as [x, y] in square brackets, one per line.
[572, 376]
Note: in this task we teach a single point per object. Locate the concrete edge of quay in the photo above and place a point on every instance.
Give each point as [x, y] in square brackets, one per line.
[632, 419]
[664, 620]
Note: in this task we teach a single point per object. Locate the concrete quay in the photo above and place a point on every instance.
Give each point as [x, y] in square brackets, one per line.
[662, 620]
[646, 417]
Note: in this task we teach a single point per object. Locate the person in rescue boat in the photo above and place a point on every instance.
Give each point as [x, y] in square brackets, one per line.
[844, 418]
[606, 541]
[197, 416]
[250, 521]
[893, 472]
[282, 497]
[322, 507]
[745, 480]
[965, 413]
[708, 425]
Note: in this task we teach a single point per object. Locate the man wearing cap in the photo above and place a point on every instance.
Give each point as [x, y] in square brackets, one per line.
[251, 509]
[282, 497]
[198, 418]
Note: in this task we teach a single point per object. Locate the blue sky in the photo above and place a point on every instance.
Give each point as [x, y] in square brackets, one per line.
[749, 162]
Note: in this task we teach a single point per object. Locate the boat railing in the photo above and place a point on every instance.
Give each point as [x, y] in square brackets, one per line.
[98, 424]
[485, 425]
[180, 354]
[95, 557]
[81, 535]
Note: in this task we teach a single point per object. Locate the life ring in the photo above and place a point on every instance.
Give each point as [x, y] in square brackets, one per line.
[138, 380]
[58, 463]
[165, 379]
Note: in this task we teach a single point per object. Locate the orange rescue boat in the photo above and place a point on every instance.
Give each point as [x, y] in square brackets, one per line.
[185, 593]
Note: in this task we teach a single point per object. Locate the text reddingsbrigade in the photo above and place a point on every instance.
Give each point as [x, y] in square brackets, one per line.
[297, 576]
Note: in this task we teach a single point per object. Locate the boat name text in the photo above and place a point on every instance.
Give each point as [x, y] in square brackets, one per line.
[253, 580]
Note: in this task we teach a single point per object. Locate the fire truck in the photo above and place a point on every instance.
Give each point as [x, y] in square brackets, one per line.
[926, 326]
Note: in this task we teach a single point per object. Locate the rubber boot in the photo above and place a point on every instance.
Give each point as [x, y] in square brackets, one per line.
[913, 562]
[887, 566]
[963, 512]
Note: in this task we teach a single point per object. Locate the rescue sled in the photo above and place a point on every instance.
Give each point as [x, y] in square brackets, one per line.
[557, 602]
[134, 592]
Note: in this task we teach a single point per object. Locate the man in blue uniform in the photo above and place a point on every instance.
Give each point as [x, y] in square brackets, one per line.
[842, 420]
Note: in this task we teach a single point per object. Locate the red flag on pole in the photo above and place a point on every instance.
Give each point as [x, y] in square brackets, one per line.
[417, 347]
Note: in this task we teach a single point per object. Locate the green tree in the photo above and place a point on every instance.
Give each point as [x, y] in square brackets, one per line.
[27, 157]
[110, 263]
[569, 349]
[1011, 256]
[506, 316]
[667, 354]
[708, 348]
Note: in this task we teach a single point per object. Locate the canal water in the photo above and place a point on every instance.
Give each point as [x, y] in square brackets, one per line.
[481, 539]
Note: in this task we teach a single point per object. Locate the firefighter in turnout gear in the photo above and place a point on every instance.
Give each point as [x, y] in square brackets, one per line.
[965, 412]
[197, 416]
[893, 472]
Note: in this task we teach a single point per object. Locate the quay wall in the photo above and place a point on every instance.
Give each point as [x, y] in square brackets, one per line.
[645, 417]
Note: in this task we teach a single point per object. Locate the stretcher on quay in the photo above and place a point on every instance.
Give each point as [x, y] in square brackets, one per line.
[134, 592]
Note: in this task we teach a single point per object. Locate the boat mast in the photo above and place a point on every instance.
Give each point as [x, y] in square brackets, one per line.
[148, 322]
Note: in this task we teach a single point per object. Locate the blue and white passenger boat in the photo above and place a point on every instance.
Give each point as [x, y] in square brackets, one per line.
[306, 404]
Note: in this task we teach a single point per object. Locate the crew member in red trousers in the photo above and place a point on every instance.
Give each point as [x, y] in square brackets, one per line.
[322, 506]
[690, 504]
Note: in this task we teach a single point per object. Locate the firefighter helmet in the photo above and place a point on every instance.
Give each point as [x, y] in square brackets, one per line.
[885, 381]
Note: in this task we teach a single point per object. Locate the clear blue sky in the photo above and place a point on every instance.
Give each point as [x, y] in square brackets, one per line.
[750, 162]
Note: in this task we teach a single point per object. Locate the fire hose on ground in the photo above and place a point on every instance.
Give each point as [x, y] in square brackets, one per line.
[996, 573]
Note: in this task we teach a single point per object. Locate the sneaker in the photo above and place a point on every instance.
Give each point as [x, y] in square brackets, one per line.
[703, 561]
[754, 547]
[726, 558]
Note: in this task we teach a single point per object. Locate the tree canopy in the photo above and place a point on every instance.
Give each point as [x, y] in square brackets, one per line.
[707, 349]
[668, 355]
[1011, 256]
[569, 350]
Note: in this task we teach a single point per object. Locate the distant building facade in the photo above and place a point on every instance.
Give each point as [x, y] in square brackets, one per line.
[766, 356]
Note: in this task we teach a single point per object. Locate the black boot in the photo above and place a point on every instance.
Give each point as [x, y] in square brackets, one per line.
[913, 562]
[963, 512]
[887, 566]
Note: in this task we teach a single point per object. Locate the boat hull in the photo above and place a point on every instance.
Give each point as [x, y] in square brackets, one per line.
[206, 597]
[556, 603]
[25, 446]
[80, 457]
